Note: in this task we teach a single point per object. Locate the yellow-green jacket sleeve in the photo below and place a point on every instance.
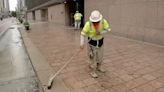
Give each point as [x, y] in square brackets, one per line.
[86, 29]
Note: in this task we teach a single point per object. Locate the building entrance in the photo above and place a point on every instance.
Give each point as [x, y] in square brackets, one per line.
[71, 7]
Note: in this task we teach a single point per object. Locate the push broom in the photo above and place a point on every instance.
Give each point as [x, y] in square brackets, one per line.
[50, 82]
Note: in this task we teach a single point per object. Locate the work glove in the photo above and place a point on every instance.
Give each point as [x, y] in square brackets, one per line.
[105, 31]
[81, 47]
[82, 41]
[97, 33]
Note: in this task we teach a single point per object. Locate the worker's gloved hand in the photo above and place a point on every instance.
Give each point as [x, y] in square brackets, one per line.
[97, 33]
[103, 32]
[81, 47]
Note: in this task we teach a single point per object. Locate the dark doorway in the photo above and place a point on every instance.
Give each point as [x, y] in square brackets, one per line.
[33, 15]
[71, 7]
[44, 14]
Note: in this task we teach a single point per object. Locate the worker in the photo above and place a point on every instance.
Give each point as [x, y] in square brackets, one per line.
[94, 31]
[77, 18]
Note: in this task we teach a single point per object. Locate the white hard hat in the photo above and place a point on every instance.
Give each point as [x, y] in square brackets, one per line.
[95, 16]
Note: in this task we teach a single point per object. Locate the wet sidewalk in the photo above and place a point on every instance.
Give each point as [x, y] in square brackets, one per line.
[16, 71]
[132, 66]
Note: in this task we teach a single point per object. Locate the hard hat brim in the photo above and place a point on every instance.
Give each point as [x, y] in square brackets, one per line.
[95, 20]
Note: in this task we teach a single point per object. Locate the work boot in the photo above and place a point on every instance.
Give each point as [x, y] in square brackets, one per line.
[94, 74]
[99, 68]
[91, 55]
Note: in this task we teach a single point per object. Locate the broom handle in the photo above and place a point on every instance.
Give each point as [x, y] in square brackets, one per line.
[51, 79]
[65, 65]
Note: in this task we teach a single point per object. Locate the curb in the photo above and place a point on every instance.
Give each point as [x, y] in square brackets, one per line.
[41, 67]
[3, 32]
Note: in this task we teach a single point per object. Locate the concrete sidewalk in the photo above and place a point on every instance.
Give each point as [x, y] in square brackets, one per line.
[132, 66]
[42, 68]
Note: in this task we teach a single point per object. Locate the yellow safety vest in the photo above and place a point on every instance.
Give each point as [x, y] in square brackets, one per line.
[77, 16]
[90, 31]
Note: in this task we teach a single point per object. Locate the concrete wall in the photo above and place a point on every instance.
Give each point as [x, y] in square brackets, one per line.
[137, 19]
[56, 14]
[38, 15]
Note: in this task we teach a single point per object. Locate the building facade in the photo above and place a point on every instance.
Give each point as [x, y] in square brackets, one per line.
[43, 10]
[6, 4]
[4, 8]
[1, 7]
[136, 19]
[21, 9]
